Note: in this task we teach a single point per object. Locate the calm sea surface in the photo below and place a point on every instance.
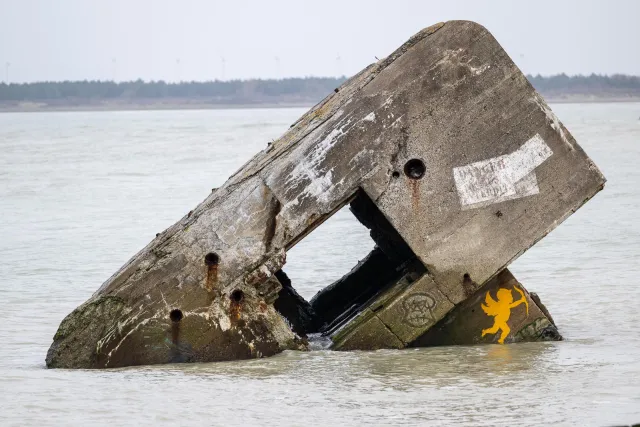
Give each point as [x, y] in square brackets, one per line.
[82, 192]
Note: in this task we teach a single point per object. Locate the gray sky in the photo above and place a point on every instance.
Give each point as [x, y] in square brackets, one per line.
[187, 39]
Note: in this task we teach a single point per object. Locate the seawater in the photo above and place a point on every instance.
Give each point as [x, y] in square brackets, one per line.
[81, 192]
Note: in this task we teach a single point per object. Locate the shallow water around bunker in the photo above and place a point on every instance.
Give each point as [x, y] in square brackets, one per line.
[82, 192]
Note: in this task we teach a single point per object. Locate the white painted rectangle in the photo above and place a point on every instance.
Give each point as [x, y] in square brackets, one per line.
[506, 177]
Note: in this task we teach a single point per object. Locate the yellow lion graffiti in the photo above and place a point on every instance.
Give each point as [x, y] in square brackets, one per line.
[501, 311]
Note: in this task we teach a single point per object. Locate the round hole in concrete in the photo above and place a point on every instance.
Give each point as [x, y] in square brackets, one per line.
[175, 315]
[414, 168]
[211, 258]
[395, 174]
[237, 296]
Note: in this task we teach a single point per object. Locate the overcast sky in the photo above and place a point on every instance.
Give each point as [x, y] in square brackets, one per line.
[188, 39]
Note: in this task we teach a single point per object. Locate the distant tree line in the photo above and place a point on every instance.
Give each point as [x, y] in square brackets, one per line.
[241, 90]
[257, 91]
[561, 84]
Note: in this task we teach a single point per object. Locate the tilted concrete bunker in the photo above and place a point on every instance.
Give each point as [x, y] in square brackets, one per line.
[443, 150]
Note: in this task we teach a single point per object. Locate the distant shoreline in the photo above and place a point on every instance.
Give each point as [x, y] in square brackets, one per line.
[303, 92]
[193, 104]
[156, 106]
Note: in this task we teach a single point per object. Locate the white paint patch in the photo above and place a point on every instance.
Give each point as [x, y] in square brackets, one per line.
[371, 117]
[320, 181]
[308, 169]
[224, 322]
[507, 177]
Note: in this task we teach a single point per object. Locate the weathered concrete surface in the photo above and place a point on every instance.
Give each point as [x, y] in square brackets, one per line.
[404, 311]
[407, 314]
[496, 318]
[445, 137]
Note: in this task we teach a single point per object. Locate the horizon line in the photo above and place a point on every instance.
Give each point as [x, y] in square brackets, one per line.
[276, 79]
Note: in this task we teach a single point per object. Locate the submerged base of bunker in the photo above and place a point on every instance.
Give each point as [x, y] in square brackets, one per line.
[443, 150]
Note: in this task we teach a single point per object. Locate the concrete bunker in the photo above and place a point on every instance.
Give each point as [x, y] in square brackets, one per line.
[444, 143]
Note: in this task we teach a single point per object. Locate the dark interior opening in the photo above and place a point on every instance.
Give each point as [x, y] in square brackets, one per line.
[337, 303]
[211, 259]
[175, 315]
[414, 169]
[237, 296]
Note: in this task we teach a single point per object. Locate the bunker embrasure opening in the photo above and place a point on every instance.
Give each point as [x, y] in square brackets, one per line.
[338, 301]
